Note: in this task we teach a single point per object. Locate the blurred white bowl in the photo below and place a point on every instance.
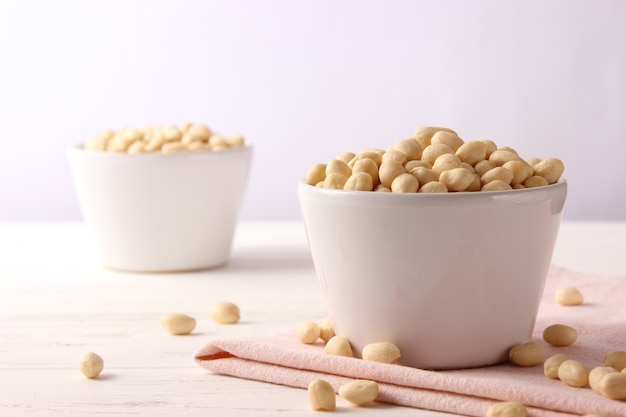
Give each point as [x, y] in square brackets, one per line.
[161, 212]
[454, 280]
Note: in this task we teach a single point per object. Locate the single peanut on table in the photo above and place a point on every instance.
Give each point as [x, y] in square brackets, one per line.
[321, 396]
[224, 312]
[91, 364]
[178, 324]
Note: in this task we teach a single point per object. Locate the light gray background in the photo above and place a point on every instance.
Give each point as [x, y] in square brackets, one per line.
[304, 80]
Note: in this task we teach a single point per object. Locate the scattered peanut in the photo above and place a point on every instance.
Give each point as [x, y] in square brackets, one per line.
[560, 335]
[338, 346]
[573, 373]
[308, 332]
[359, 392]
[178, 324]
[613, 386]
[327, 331]
[383, 352]
[616, 360]
[527, 354]
[224, 313]
[165, 139]
[477, 165]
[551, 365]
[569, 296]
[596, 375]
[507, 409]
[91, 364]
[321, 396]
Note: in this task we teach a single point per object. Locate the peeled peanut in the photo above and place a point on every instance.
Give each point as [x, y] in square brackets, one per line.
[308, 332]
[527, 354]
[533, 161]
[446, 161]
[224, 312]
[404, 183]
[359, 181]
[91, 364]
[412, 164]
[507, 409]
[569, 296]
[368, 166]
[388, 171]
[456, 179]
[535, 181]
[321, 396]
[433, 187]
[447, 138]
[383, 352]
[573, 373]
[432, 152]
[615, 360]
[316, 174]
[374, 155]
[335, 180]
[359, 392]
[327, 331]
[472, 152]
[550, 168]
[521, 171]
[345, 156]
[497, 185]
[178, 324]
[596, 375]
[497, 173]
[551, 365]
[483, 166]
[409, 147]
[613, 386]
[423, 135]
[491, 147]
[424, 175]
[335, 166]
[560, 335]
[500, 156]
[395, 155]
[338, 346]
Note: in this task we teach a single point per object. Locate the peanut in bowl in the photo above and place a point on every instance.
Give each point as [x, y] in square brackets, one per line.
[159, 211]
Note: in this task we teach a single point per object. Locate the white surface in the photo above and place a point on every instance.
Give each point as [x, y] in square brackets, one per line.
[158, 213]
[306, 79]
[425, 271]
[56, 303]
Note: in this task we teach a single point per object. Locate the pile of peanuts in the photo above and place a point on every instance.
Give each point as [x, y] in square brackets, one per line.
[359, 392]
[91, 364]
[608, 378]
[164, 139]
[435, 160]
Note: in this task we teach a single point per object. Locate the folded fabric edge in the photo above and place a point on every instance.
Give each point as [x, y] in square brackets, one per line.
[441, 401]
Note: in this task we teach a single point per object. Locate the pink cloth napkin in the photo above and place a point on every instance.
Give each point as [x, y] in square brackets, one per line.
[601, 324]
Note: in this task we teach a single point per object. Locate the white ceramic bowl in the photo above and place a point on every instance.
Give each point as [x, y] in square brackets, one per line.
[454, 280]
[161, 212]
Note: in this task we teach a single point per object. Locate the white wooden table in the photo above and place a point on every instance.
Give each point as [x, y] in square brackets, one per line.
[56, 302]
